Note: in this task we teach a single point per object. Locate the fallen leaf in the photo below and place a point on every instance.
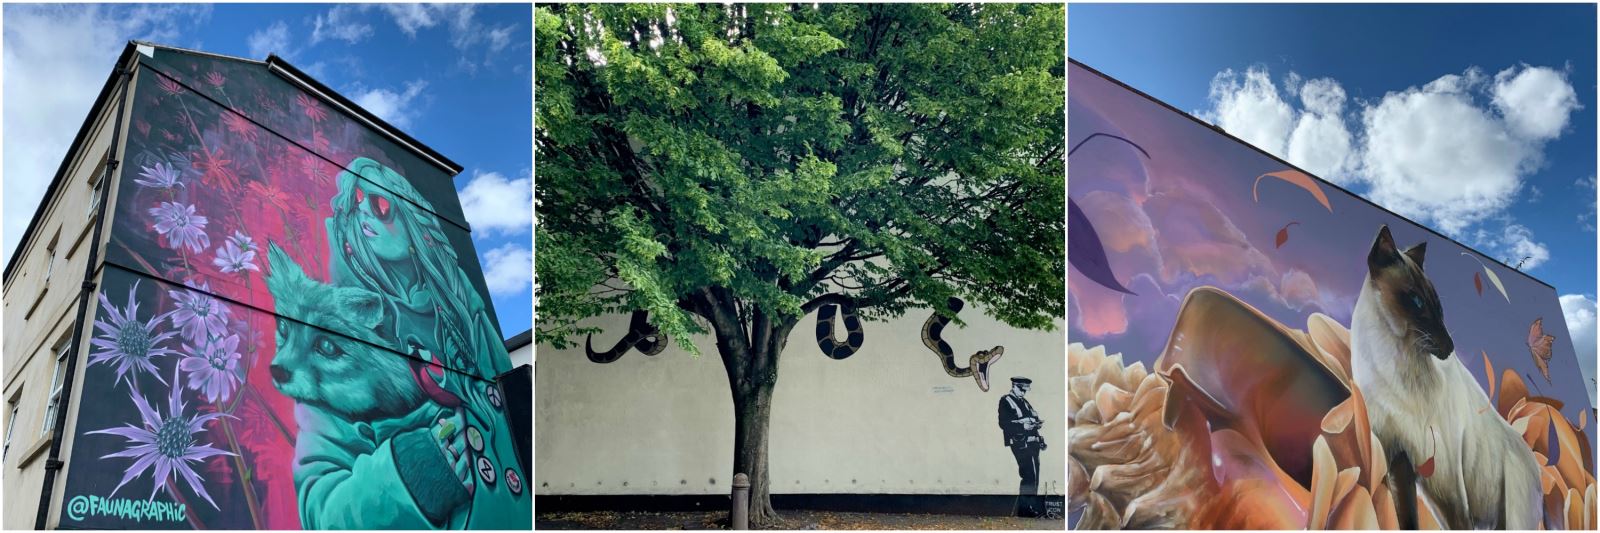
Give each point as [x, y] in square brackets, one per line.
[1488, 369]
[1477, 282]
[1298, 179]
[1085, 252]
[1493, 279]
[1283, 234]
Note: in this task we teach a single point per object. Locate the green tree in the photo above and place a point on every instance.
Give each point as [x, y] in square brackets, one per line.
[732, 168]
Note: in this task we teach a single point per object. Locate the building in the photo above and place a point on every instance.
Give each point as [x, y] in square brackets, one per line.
[1252, 345]
[891, 428]
[247, 303]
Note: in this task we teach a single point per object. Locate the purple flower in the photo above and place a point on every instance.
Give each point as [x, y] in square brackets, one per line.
[242, 241]
[161, 176]
[178, 223]
[126, 342]
[231, 258]
[211, 368]
[165, 443]
[200, 316]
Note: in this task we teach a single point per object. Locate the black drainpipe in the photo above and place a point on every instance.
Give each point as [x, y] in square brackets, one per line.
[52, 463]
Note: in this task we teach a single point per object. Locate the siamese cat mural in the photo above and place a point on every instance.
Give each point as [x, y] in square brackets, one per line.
[1424, 404]
[1244, 353]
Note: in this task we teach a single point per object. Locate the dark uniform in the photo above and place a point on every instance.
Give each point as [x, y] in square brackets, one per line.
[1025, 445]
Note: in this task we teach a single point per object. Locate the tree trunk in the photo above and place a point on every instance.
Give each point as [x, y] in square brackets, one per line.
[752, 409]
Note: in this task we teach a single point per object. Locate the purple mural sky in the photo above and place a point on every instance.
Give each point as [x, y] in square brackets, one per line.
[1193, 212]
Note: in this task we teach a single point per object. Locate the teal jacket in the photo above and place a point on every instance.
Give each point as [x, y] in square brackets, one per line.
[390, 474]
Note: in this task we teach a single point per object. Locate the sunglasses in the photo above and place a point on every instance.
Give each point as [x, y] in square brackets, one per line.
[379, 204]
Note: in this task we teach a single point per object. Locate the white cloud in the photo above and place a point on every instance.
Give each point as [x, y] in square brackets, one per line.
[338, 23]
[494, 203]
[273, 39]
[1320, 142]
[467, 34]
[1248, 107]
[1579, 311]
[395, 107]
[413, 17]
[1536, 101]
[508, 269]
[72, 46]
[1433, 155]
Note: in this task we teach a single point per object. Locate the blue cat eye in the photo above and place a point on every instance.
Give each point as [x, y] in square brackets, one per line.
[1416, 301]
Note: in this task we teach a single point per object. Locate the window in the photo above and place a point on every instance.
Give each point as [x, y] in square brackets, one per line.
[56, 382]
[96, 181]
[11, 423]
[50, 257]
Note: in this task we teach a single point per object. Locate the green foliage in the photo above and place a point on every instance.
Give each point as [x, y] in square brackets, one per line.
[757, 157]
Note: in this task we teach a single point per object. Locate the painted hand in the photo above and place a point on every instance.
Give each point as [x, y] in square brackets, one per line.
[451, 436]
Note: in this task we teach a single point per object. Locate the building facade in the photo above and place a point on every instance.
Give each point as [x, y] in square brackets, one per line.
[896, 426]
[246, 303]
[1255, 348]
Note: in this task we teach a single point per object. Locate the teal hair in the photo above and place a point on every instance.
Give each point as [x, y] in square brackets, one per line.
[459, 309]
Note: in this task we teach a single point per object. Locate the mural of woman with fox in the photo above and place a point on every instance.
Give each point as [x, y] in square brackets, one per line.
[418, 427]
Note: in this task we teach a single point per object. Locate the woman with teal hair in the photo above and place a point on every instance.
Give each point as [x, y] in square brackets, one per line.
[384, 237]
[451, 461]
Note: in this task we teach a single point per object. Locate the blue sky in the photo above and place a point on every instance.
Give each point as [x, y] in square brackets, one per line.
[457, 77]
[1481, 117]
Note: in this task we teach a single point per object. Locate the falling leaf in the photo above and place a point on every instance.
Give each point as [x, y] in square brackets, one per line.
[1477, 282]
[1283, 234]
[1296, 178]
[1426, 468]
[1488, 370]
[1539, 345]
[1085, 252]
[1494, 279]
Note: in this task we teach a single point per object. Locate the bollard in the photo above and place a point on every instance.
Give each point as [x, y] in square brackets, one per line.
[740, 517]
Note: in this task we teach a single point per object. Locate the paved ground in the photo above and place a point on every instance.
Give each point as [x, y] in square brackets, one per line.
[792, 519]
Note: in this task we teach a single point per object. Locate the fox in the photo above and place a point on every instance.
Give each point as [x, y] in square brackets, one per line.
[369, 435]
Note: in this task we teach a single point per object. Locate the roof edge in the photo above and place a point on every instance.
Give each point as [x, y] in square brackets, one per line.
[519, 340]
[295, 75]
[1335, 186]
[51, 191]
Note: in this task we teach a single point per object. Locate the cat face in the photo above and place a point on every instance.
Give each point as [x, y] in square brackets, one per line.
[315, 366]
[1406, 297]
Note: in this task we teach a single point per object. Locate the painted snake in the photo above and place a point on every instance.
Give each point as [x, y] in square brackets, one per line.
[852, 325]
[977, 365]
[641, 336]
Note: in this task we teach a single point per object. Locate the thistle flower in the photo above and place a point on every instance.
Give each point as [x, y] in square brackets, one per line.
[166, 443]
[310, 107]
[215, 79]
[126, 342]
[178, 223]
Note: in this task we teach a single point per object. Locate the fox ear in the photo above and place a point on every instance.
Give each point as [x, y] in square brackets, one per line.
[285, 273]
[362, 306]
[1383, 251]
[1416, 252]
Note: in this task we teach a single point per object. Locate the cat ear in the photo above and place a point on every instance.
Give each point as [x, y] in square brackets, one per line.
[1383, 251]
[1416, 252]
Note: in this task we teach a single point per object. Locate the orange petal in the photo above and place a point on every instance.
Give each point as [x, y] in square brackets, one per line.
[1298, 179]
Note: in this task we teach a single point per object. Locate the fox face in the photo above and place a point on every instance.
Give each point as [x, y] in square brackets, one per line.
[322, 365]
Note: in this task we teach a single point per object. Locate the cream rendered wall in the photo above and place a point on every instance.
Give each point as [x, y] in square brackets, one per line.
[27, 347]
[887, 420]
